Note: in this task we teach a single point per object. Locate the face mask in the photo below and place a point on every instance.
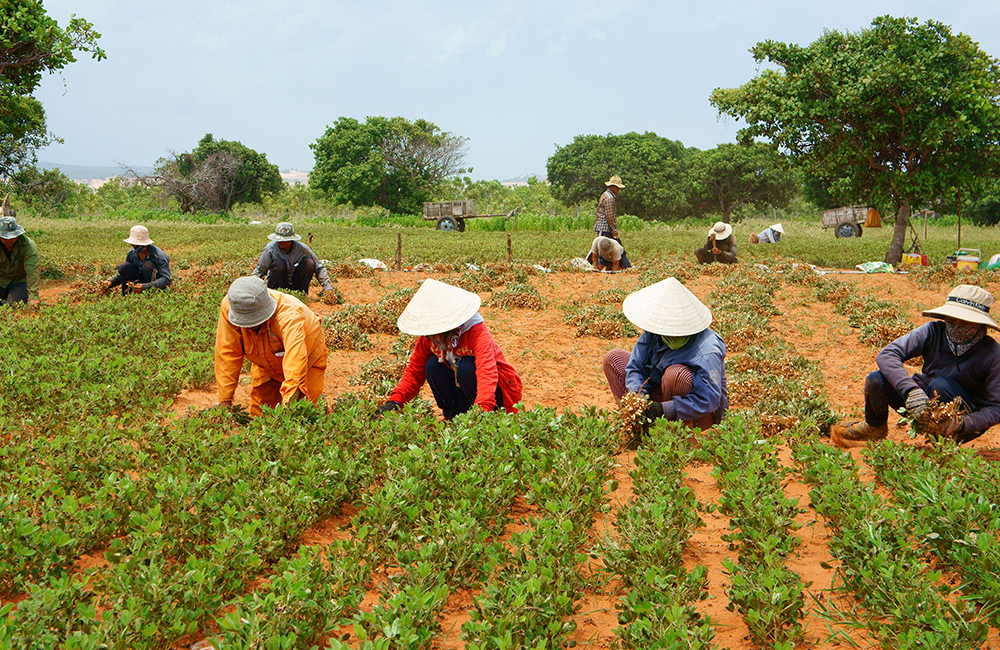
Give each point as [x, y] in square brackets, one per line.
[962, 336]
[138, 249]
[674, 342]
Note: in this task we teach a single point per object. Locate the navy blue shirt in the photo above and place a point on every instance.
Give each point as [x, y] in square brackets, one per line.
[160, 263]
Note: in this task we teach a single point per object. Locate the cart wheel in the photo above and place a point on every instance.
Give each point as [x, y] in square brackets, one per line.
[461, 224]
[847, 229]
[446, 223]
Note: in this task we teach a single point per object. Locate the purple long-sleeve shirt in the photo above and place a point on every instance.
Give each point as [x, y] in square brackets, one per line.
[704, 354]
[977, 371]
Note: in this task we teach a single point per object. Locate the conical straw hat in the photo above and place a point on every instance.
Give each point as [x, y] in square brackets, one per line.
[777, 227]
[436, 308]
[667, 308]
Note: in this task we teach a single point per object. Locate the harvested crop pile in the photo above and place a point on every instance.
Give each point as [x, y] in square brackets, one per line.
[381, 374]
[613, 296]
[331, 297]
[521, 296]
[394, 303]
[600, 321]
[934, 419]
[87, 290]
[629, 420]
[350, 269]
[772, 425]
[740, 338]
[345, 335]
[764, 365]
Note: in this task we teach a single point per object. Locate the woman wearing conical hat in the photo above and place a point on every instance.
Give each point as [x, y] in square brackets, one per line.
[678, 361]
[454, 353]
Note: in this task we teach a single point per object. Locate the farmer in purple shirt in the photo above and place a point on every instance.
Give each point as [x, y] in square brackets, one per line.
[959, 360]
[678, 361]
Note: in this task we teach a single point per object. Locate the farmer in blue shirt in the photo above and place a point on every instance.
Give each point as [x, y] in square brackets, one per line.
[145, 266]
[287, 263]
[678, 361]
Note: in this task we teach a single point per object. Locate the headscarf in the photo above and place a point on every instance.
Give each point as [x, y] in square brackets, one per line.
[962, 336]
[443, 345]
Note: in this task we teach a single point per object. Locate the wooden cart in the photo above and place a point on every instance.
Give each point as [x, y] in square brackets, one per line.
[846, 221]
[451, 215]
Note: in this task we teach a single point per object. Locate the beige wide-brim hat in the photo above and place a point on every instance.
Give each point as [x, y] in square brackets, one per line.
[284, 231]
[667, 308]
[250, 303]
[436, 308]
[968, 303]
[777, 228]
[721, 229]
[138, 236]
[616, 180]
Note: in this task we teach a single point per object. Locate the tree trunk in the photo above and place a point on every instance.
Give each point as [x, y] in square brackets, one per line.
[895, 253]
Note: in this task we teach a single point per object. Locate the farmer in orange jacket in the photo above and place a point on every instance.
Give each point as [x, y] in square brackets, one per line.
[280, 336]
[454, 353]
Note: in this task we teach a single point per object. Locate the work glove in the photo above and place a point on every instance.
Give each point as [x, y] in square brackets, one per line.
[952, 428]
[391, 405]
[654, 410]
[916, 402]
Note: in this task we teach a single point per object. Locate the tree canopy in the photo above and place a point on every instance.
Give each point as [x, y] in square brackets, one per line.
[391, 162]
[651, 167]
[216, 175]
[901, 112]
[734, 175]
[32, 44]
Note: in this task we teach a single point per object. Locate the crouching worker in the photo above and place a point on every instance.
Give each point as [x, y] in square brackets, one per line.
[678, 361]
[280, 336]
[607, 254]
[287, 263]
[454, 353]
[145, 265]
[719, 247]
[20, 276]
[959, 360]
[770, 235]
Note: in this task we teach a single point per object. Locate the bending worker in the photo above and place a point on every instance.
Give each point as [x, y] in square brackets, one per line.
[20, 276]
[454, 353]
[770, 235]
[678, 361]
[287, 263]
[719, 247]
[280, 336]
[606, 254]
[145, 265]
[959, 360]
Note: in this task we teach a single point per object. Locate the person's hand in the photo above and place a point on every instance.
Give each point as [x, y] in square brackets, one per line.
[136, 287]
[391, 405]
[716, 251]
[106, 286]
[34, 303]
[297, 395]
[711, 237]
[916, 402]
[614, 234]
[654, 410]
[327, 287]
[955, 428]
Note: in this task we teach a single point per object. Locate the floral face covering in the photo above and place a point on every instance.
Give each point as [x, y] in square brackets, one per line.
[443, 345]
[961, 337]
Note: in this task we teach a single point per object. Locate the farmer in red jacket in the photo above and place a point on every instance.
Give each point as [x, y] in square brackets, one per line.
[454, 353]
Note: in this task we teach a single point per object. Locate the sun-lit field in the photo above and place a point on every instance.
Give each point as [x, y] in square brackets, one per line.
[137, 514]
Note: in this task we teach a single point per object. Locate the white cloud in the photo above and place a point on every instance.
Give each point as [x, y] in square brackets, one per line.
[451, 42]
[498, 46]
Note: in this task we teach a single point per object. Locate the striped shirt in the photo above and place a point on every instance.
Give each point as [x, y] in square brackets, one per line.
[606, 214]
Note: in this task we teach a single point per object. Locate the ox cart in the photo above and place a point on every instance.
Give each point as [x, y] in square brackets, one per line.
[451, 215]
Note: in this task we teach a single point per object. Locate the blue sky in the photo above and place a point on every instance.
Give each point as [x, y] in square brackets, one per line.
[517, 78]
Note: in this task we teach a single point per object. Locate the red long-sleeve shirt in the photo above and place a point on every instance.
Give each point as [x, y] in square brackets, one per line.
[491, 367]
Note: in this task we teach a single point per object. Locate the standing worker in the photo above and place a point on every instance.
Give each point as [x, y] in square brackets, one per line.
[287, 263]
[606, 217]
[959, 360]
[281, 337]
[145, 265]
[454, 353]
[719, 247]
[678, 361]
[19, 272]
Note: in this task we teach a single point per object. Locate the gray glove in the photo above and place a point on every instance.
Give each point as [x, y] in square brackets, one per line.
[916, 402]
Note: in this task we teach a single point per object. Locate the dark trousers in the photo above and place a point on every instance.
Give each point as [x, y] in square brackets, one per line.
[296, 277]
[706, 256]
[880, 395]
[14, 293]
[455, 390]
[623, 263]
[129, 273]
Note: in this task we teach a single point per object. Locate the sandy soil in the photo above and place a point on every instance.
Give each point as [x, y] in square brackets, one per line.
[563, 371]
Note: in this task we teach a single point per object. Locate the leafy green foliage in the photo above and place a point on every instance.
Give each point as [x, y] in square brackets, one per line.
[734, 175]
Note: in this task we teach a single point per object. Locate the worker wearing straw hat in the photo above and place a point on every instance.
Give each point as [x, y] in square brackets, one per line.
[287, 263]
[454, 353]
[770, 235]
[678, 361]
[959, 360]
[719, 247]
[606, 216]
[145, 265]
[281, 337]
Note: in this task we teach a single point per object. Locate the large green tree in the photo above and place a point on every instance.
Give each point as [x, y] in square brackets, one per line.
[216, 175]
[392, 162]
[902, 112]
[31, 45]
[735, 175]
[651, 167]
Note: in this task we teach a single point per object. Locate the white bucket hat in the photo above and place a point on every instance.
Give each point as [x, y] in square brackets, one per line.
[138, 236]
[284, 231]
[436, 308]
[721, 229]
[968, 303]
[250, 303]
[667, 308]
[777, 228]
[615, 180]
